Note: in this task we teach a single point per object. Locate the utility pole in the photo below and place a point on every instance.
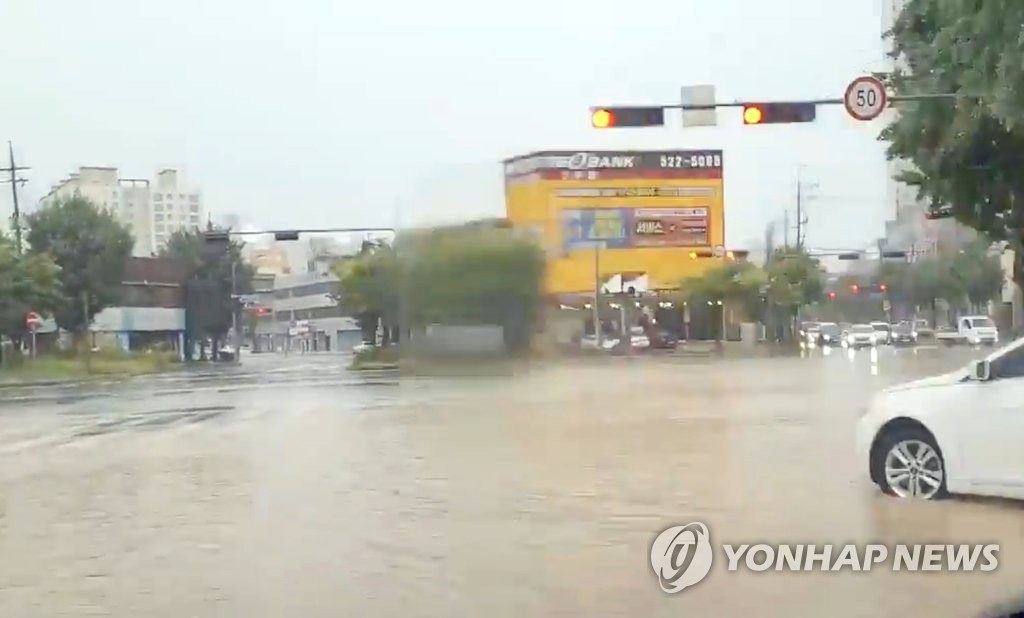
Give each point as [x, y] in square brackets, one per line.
[13, 169]
[785, 229]
[801, 218]
[597, 296]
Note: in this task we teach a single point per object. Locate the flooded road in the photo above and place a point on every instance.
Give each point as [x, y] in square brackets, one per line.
[290, 487]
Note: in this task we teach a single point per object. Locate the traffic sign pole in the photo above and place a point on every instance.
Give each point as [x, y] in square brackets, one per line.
[32, 322]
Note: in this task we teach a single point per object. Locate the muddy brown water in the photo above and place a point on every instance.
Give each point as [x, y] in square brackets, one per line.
[536, 493]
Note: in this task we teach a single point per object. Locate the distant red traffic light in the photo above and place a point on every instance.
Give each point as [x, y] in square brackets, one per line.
[855, 288]
[831, 295]
[883, 287]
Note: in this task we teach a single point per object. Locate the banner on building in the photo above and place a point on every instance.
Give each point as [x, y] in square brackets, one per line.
[670, 227]
[585, 228]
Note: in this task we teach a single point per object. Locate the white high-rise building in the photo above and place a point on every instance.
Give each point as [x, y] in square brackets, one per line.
[151, 209]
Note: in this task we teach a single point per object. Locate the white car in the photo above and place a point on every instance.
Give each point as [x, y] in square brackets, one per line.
[883, 332]
[860, 335]
[956, 433]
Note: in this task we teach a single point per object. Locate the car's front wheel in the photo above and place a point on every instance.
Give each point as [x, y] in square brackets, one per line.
[910, 465]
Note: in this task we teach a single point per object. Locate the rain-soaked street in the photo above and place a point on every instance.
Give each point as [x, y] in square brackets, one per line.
[291, 487]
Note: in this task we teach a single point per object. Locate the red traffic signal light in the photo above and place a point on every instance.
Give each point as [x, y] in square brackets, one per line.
[612, 117]
[883, 287]
[779, 113]
[855, 288]
[831, 295]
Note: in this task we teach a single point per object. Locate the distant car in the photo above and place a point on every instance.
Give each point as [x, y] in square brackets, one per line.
[903, 334]
[978, 329]
[664, 340]
[860, 335]
[810, 333]
[923, 329]
[829, 334]
[806, 328]
[883, 332]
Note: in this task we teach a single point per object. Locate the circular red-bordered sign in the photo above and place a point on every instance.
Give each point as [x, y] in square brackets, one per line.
[866, 98]
[33, 320]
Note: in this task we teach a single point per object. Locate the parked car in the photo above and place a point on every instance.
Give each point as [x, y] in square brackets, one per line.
[955, 433]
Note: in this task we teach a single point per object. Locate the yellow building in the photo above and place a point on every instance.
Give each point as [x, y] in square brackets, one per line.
[637, 214]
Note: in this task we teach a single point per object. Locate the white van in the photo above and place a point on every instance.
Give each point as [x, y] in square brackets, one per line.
[978, 329]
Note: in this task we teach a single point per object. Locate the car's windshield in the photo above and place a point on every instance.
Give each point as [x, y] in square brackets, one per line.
[266, 305]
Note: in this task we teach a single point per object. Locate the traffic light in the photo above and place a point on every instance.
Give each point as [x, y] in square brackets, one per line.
[701, 254]
[216, 236]
[854, 288]
[618, 117]
[884, 288]
[286, 235]
[779, 113]
[831, 295]
[849, 256]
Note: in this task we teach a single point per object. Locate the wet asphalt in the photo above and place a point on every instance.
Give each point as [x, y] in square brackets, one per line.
[291, 486]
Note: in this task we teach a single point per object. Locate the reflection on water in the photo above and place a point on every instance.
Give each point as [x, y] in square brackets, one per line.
[536, 493]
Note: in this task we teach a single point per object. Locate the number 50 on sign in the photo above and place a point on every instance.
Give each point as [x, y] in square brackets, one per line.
[865, 98]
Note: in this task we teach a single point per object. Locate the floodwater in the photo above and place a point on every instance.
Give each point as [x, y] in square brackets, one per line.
[289, 487]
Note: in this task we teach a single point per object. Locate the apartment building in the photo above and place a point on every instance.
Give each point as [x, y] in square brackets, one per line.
[152, 210]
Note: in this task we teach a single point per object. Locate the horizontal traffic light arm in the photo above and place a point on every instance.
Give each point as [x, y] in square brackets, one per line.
[222, 235]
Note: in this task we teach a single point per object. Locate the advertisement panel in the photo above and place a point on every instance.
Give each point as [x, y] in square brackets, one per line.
[605, 227]
[670, 227]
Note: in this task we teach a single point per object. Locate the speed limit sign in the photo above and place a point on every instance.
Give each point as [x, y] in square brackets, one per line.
[866, 98]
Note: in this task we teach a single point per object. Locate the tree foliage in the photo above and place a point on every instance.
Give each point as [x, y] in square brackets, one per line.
[794, 279]
[370, 285]
[28, 282]
[210, 282]
[467, 275]
[90, 247]
[967, 153]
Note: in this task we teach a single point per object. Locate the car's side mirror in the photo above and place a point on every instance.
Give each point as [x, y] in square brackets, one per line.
[981, 371]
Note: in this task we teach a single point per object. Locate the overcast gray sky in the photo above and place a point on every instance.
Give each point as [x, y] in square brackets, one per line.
[327, 112]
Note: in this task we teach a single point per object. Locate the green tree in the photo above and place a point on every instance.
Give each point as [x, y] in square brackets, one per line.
[27, 283]
[215, 270]
[90, 247]
[966, 152]
[735, 283]
[475, 274]
[794, 280]
[370, 285]
[980, 274]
